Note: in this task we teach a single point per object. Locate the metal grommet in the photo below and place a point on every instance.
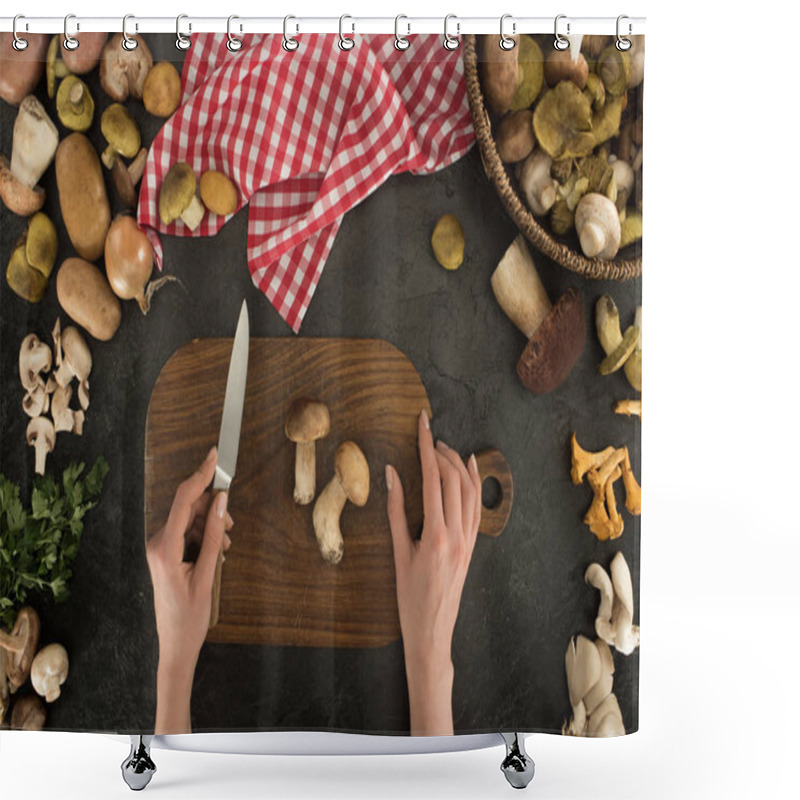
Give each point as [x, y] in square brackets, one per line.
[622, 43]
[561, 43]
[290, 44]
[182, 42]
[506, 42]
[18, 44]
[400, 42]
[234, 44]
[128, 42]
[70, 42]
[451, 42]
[345, 42]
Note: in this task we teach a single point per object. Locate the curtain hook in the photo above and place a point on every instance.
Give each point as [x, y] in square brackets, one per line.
[451, 42]
[506, 42]
[128, 42]
[345, 42]
[70, 42]
[234, 44]
[290, 44]
[19, 44]
[622, 43]
[182, 42]
[400, 42]
[561, 43]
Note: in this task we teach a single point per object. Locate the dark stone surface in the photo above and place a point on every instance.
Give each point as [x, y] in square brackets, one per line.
[524, 595]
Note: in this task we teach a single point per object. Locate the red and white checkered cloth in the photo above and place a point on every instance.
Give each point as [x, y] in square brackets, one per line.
[305, 136]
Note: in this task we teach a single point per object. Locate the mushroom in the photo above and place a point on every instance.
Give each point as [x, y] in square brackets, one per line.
[36, 401]
[55, 68]
[514, 137]
[178, 198]
[218, 193]
[614, 69]
[56, 334]
[597, 577]
[20, 646]
[5, 695]
[162, 89]
[121, 132]
[555, 333]
[447, 241]
[63, 419]
[633, 366]
[562, 122]
[41, 435]
[34, 147]
[49, 671]
[597, 224]
[76, 360]
[593, 699]
[624, 178]
[531, 73]
[33, 258]
[86, 55]
[626, 634]
[74, 104]
[29, 714]
[566, 65]
[617, 347]
[500, 73]
[633, 492]
[123, 72]
[307, 421]
[350, 482]
[628, 408]
[583, 668]
[537, 184]
[127, 177]
[604, 524]
[21, 69]
[583, 460]
[35, 357]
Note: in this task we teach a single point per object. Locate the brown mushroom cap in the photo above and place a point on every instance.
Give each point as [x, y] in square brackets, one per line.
[17, 197]
[21, 70]
[123, 72]
[177, 192]
[555, 346]
[85, 57]
[352, 471]
[28, 714]
[25, 638]
[162, 90]
[307, 421]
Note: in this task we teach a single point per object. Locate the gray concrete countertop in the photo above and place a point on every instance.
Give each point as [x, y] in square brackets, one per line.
[524, 595]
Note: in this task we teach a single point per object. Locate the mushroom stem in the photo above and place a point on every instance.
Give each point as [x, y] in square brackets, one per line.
[193, 213]
[327, 511]
[11, 643]
[629, 407]
[519, 290]
[305, 473]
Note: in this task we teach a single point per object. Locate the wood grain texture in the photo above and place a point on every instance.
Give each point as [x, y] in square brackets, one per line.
[492, 464]
[276, 589]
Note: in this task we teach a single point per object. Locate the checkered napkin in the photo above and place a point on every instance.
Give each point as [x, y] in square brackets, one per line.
[305, 136]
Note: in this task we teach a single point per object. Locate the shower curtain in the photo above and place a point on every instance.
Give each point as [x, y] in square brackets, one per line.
[425, 518]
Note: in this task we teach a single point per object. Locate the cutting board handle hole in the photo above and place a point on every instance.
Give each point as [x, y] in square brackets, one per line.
[491, 493]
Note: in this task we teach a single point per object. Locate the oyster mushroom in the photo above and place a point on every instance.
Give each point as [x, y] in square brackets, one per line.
[21, 69]
[597, 225]
[583, 667]
[41, 435]
[308, 420]
[28, 714]
[597, 577]
[35, 357]
[49, 671]
[33, 149]
[20, 646]
[562, 122]
[614, 623]
[178, 199]
[123, 72]
[538, 186]
[74, 104]
[121, 132]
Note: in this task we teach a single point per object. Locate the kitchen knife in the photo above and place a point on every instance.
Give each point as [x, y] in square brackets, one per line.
[229, 429]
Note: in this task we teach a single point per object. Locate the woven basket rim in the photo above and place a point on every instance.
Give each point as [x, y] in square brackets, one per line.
[537, 235]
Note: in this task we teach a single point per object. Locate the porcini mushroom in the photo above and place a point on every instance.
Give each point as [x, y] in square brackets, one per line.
[537, 184]
[617, 347]
[555, 333]
[49, 671]
[127, 177]
[28, 714]
[20, 646]
[123, 72]
[35, 357]
[178, 199]
[121, 132]
[21, 69]
[350, 482]
[307, 421]
[161, 93]
[76, 358]
[41, 435]
[597, 225]
[34, 147]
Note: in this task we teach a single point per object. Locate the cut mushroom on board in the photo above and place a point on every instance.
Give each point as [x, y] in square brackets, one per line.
[49, 671]
[555, 333]
[350, 482]
[33, 148]
[20, 646]
[76, 361]
[614, 623]
[41, 435]
[63, 416]
[178, 198]
[307, 421]
[36, 402]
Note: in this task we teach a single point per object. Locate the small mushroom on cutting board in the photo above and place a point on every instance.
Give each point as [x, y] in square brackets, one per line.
[555, 333]
[614, 623]
[307, 421]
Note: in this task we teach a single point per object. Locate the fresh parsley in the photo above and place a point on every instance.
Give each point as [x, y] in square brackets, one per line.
[38, 545]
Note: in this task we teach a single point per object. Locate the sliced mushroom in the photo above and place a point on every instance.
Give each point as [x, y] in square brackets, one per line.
[307, 421]
[41, 435]
[20, 646]
[37, 401]
[77, 358]
[63, 419]
[35, 357]
[178, 198]
[123, 72]
[56, 334]
[49, 671]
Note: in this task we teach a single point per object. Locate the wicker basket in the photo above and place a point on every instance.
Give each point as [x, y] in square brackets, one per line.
[618, 269]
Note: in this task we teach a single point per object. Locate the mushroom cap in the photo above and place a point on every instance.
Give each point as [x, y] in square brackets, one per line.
[555, 346]
[218, 193]
[49, 670]
[18, 198]
[76, 351]
[28, 714]
[352, 471]
[123, 72]
[177, 192]
[162, 89]
[85, 58]
[562, 122]
[21, 69]
[74, 104]
[560, 65]
[597, 225]
[34, 357]
[307, 421]
[41, 427]
[120, 129]
[26, 626]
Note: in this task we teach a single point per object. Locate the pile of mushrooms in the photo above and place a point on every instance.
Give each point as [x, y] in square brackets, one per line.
[562, 120]
[614, 623]
[48, 669]
[52, 392]
[601, 470]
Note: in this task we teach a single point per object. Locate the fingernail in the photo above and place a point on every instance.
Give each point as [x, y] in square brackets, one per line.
[229, 519]
[223, 558]
[441, 445]
[473, 463]
[210, 455]
[425, 421]
[389, 478]
[227, 540]
[221, 504]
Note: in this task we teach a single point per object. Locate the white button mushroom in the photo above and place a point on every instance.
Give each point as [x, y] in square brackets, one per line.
[49, 671]
[34, 358]
[41, 435]
[537, 184]
[598, 227]
[76, 360]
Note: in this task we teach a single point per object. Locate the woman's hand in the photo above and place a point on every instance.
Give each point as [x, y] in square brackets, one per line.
[182, 590]
[431, 572]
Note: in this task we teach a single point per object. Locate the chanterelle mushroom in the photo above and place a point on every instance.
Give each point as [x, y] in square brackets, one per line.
[178, 197]
[555, 333]
[33, 149]
[35, 357]
[41, 435]
[350, 482]
[307, 421]
[49, 671]
[20, 645]
[583, 460]
[76, 360]
[123, 72]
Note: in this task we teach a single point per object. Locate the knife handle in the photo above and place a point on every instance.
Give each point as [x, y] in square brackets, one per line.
[215, 589]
